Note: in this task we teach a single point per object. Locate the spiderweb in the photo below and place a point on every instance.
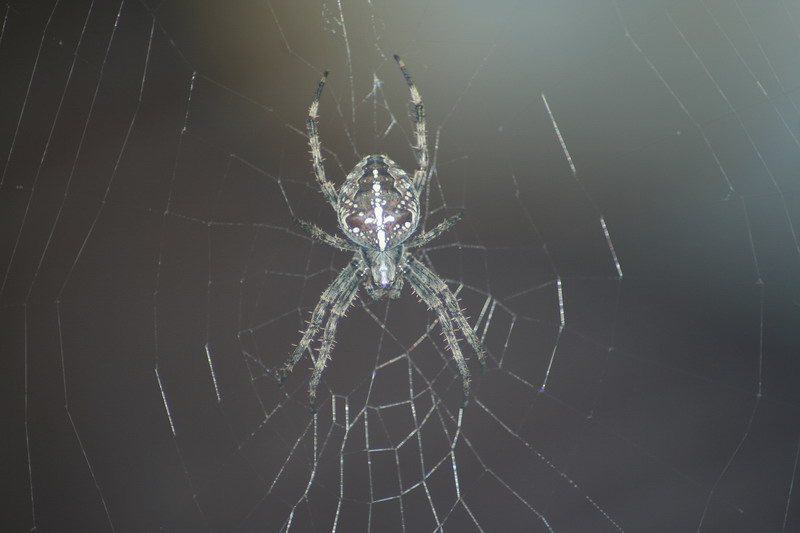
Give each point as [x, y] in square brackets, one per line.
[629, 255]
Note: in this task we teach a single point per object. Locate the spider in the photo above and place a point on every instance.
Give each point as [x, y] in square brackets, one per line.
[377, 209]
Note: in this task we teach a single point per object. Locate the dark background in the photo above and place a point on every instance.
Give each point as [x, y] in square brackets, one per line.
[153, 155]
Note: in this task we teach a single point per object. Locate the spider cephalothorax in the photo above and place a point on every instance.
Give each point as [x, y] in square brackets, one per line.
[377, 209]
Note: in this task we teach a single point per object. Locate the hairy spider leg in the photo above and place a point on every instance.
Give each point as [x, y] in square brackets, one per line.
[328, 299]
[426, 293]
[420, 136]
[317, 233]
[340, 307]
[438, 297]
[428, 236]
[451, 306]
[312, 126]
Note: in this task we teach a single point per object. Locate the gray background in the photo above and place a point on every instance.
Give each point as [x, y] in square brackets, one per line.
[153, 158]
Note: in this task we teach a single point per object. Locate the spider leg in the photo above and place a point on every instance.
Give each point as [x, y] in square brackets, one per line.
[343, 301]
[451, 306]
[428, 236]
[326, 301]
[423, 281]
[312, 126]
[319, 234]
[418, 116]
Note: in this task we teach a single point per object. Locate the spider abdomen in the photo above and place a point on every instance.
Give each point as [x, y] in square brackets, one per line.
[378, 205]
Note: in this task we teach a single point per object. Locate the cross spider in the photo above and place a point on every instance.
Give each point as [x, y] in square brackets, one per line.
[378, 210]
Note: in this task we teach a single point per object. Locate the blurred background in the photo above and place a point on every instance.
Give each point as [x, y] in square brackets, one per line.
[629, 173]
